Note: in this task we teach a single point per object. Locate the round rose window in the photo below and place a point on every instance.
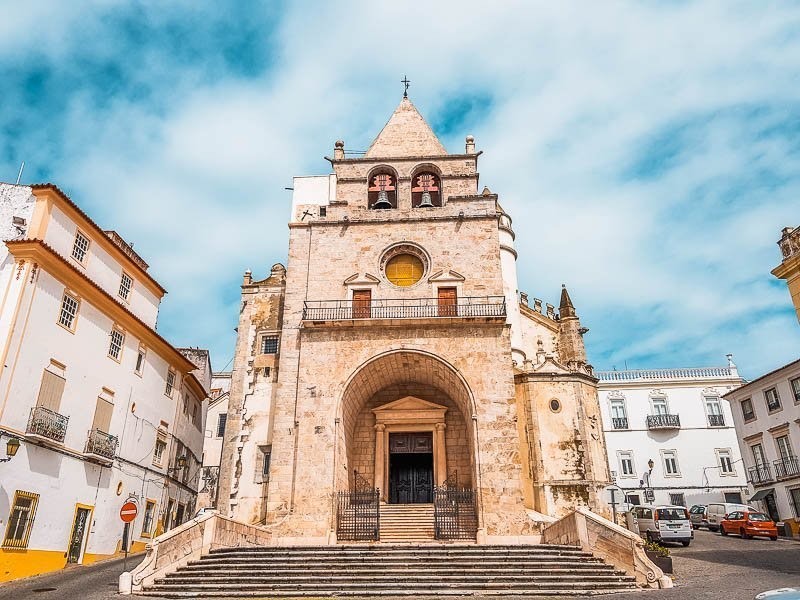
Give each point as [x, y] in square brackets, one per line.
[404, 270]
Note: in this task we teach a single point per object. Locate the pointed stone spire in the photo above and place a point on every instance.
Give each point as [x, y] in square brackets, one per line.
[406, 133]
[566, 308]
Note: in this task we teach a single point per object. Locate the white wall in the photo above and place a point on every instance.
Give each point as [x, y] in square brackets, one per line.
[695, 442]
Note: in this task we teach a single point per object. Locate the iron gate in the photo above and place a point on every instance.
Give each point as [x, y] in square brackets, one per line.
[454, 512]
[358, 512]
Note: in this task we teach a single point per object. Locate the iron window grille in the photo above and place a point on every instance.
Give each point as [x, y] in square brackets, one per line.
[619, 422]
[221, 422]
[117, 341]
[170, 384]
[20, 521]
[269, 344]
[716, 420]
[125, 285]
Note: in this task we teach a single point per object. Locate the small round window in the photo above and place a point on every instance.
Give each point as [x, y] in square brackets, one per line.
[555, 405]
[404, 270]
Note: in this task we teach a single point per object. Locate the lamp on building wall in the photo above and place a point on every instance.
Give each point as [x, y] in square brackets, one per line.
[11, 448]
[180, 463]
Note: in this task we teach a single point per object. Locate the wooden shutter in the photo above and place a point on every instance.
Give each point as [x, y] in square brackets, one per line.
[102, 415]
[50, 391]
[448, 302]
[362, 299]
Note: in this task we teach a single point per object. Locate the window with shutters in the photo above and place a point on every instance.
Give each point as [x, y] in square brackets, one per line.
[20, 521]
[69, 311]
[222, 420]
[80, 247]
[103, 411]
[772, 399]
[116, 344]
[160, 448]
[747, 410]
[50, 391]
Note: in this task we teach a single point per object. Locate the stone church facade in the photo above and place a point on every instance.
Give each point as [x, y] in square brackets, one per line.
[394, 352]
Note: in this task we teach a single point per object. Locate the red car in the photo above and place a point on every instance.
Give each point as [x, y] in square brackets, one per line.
[748, 524]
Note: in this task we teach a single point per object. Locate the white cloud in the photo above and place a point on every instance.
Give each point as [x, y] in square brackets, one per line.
[580, 92]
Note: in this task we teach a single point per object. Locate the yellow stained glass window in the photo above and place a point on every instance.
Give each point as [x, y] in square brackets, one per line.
[404, 270]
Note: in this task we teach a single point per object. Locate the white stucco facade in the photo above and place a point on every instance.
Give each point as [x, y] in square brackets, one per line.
[216, 420]
[86, 392]
[677, 419]
[766, 413]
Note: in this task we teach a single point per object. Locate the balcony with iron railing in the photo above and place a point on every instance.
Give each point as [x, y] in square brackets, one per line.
[716, 420]
[101, 446]
[46, 425]
[663, 422]
[787, 468]
[476, 308]
[760, 475]
[619, 422]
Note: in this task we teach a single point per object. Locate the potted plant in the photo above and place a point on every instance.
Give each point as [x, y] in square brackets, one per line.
[659, 555]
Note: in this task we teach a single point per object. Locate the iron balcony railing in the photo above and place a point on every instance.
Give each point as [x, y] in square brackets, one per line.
[787, 467]
[663, 422]
[619, 422]
[404, 308]
[760, 474]
[716, 420]
[47, 423]
[101, 443]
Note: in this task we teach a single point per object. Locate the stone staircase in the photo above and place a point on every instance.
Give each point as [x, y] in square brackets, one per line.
[406, 523]
[392, 570]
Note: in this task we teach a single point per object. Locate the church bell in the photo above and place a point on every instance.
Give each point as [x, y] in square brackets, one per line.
[425, 202]
[383, 200]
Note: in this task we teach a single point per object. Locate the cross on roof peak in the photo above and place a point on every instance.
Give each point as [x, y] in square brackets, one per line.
[405, 81]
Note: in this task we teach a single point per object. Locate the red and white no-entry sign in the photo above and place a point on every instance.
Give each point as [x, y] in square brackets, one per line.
[128, 512]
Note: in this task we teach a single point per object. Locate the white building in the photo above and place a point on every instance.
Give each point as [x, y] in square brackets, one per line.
[216, 421]
[670, 431]
[766, 412]
[103, 405]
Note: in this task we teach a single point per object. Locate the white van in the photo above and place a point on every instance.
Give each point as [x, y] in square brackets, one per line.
[716, 511]
[664, 523]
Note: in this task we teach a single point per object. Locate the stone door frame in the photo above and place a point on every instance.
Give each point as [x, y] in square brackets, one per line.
[408, 415]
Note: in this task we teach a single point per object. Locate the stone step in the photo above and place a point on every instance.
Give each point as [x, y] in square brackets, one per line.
[499, 567]
[394, 593]
[521, 562]
[388, 549]
[368, 587]
[311, 577]
[410, 553]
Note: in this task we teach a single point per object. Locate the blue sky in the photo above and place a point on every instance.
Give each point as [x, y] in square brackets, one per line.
[648, 152]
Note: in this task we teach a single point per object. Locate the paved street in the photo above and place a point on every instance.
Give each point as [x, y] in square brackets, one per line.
[713, 567]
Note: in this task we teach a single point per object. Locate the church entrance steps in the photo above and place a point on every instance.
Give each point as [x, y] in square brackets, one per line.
[406, 523]
[392, 570]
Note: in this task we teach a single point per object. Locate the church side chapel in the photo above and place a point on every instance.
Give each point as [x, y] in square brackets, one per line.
[391, 383]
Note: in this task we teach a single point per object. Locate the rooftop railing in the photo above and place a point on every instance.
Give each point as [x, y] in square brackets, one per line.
[404, 308]
[661, 374]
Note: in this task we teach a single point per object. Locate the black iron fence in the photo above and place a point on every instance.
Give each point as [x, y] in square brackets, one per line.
[663, 422]
[47, 423]
[454, 514]
[760, 474]
[787, 467]
[358, 512]
[404, 308]
[101, 443]
[619, 422]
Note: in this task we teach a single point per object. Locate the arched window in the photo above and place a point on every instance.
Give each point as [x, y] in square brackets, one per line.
[426, 190]
[382, 191]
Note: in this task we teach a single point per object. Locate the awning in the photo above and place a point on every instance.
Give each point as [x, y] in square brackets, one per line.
[761, 494]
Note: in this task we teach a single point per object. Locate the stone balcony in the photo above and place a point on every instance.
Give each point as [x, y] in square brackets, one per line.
[663, 422]
[319, 313]
[46, 426]
[100, 447]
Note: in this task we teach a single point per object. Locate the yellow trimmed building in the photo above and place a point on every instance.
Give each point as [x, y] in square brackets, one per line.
[96, 408]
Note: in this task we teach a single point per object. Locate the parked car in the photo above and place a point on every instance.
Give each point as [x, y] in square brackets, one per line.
[664, 523]
[716, 511]
[697, 515]
[780, 594]
[748, 524]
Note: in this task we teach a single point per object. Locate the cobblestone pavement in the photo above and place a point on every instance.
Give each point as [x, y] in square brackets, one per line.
[712, 568]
